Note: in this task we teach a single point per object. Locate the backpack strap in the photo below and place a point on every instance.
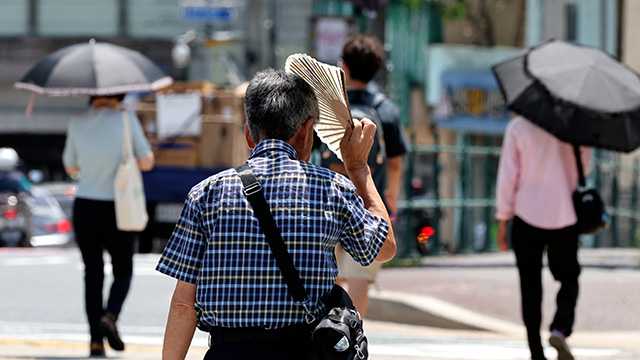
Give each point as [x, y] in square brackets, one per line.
[378, 99]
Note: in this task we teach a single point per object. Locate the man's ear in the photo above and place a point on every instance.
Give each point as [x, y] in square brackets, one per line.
[343, 66]
[248, 137]
[309, 123]
[301, 136]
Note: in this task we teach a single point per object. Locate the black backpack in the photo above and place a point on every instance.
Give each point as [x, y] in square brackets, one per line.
[368, 108]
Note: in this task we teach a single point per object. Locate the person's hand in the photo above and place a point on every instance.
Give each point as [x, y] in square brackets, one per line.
[392, 203]
[502, 236]
[356, 145]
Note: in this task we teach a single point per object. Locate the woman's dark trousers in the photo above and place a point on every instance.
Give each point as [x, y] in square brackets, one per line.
[529, 244]
[95, 229]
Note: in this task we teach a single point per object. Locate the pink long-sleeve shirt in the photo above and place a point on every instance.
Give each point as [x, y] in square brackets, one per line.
[536, 177]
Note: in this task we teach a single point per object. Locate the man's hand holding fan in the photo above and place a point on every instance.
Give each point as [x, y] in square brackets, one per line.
[328, 83]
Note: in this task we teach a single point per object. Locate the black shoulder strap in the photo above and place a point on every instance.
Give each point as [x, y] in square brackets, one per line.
[253, 192]
[582, 182]
[378, 99]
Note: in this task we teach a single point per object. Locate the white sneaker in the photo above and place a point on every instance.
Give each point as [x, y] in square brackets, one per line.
[557, 341]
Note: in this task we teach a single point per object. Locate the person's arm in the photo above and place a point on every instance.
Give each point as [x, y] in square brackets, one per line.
[70, 155]
[394, 179]
[182, 260]
[181, 323]
[146, 163]
[72, 171]
[507, 184]
[141, 146]
[355, 146]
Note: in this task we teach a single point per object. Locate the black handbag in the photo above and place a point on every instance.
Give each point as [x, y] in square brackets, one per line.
[590, 210]
[337, 332]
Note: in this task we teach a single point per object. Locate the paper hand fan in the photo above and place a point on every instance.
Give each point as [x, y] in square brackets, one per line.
[328, 84]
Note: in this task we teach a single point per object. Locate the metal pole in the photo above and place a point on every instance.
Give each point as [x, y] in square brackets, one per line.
[489, 176]
[597, 179]
[634, 204]
[123, 17]
[409, 239]
[34, 17]
[463, 244]
[435, 247]
[614, 202]
[273, 33]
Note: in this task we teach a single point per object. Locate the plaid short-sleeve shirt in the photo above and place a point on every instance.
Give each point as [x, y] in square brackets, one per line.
[219, 246]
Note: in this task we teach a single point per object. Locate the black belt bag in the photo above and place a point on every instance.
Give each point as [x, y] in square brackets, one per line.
[590, 210]
[337, 331]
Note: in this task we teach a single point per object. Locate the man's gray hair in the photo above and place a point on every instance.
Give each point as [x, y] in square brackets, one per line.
[277, 104]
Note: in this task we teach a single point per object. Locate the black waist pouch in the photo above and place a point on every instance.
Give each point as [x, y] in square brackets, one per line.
[339, 334]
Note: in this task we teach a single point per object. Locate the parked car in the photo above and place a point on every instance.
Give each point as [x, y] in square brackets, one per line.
[31, 216]
[15, 224]
[49, 224]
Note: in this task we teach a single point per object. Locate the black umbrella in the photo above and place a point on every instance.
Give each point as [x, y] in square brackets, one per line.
[93, 69]
[579, 94]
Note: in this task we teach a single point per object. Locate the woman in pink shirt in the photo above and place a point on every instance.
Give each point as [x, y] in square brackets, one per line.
[536, 178]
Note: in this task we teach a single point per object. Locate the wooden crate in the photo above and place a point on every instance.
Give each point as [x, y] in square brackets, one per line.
[179, 152]
[222, 142]
[224, 102]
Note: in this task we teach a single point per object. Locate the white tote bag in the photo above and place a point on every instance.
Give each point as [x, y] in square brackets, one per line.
[131, 209]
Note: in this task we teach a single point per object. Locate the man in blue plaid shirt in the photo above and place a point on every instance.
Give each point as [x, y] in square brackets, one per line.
[228, 280]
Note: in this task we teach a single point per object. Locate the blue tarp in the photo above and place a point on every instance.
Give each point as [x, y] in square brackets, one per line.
[172, 184]
[465, 78]
[491, 123]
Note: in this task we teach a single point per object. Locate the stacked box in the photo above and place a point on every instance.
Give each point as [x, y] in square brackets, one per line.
[176, 152]
[221, 142]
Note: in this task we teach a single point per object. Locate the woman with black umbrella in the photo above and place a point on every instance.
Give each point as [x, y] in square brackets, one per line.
[571, 96]
[103, 145]
[536, 178]
[92, 154]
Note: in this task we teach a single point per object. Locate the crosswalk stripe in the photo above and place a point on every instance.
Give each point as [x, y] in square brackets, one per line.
[380, 345]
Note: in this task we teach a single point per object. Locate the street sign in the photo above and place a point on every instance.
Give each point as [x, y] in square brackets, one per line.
[209, 11]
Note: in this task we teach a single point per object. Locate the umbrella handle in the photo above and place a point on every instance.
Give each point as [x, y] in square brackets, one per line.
[30, 105]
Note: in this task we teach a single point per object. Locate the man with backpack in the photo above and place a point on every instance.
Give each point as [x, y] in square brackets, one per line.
[362, 57]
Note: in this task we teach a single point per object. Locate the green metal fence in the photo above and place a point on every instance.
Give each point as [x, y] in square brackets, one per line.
[458, 198]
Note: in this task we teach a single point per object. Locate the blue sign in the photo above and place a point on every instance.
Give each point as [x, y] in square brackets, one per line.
[208, 14]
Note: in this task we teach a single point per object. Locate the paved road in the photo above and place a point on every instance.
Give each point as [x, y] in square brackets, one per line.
[41, 317]
[609, 297]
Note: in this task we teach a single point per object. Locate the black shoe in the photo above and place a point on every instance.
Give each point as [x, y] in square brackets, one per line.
[560, 344]
[110, 331]
[96, 349]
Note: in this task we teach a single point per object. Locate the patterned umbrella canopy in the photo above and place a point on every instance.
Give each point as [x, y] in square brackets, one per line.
[93, 69]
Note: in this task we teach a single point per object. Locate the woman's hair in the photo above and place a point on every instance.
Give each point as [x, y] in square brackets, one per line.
[115, 97]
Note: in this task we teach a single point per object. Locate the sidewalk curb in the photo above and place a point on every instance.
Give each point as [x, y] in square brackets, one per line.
[422, 310]
[603, 259]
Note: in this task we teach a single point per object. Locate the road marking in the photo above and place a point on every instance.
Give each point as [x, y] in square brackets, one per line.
[441, 348]
[36, 260]
[144, 264]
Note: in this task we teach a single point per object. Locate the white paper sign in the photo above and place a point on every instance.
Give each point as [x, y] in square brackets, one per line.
[179, 115]
[330, 36]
